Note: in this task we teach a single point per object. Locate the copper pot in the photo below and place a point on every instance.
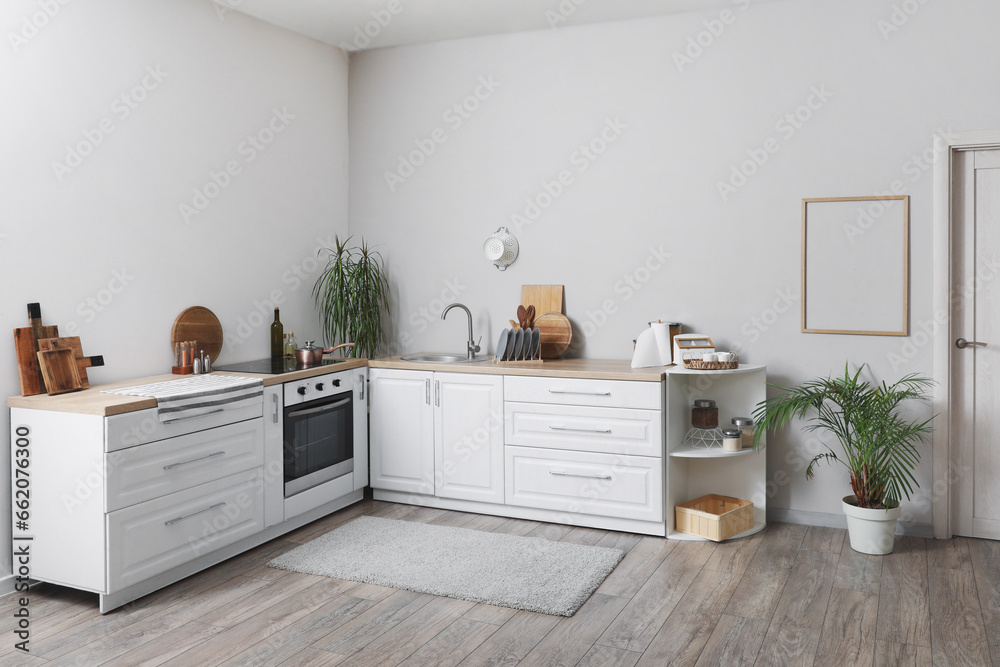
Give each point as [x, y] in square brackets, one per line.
[310, 354]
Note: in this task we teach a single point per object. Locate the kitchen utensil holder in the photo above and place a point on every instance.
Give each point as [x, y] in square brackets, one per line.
[700, 365]
[182, 370]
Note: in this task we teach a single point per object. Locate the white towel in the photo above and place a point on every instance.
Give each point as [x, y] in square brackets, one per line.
[198, 395]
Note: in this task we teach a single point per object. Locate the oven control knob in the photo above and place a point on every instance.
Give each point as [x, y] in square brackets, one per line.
[319, 386]
[302, 391]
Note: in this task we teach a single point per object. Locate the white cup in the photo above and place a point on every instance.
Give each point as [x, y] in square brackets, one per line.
[709, 356]
[724, 356]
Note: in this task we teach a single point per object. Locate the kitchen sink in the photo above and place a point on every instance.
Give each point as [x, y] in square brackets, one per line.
[442, 358]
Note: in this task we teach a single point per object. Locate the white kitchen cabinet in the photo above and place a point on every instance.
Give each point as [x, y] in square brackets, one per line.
[696, 472]
[402, 431]
[468, 437]
[437, 434]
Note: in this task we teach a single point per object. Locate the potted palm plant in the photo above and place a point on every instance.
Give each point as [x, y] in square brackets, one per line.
[352, 295]
[879, 445]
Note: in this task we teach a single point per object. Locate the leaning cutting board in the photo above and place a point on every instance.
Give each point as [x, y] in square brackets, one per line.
[59, 370]
[545, 298]
[26, 344]
[557, 334]
[199, 324]
[82, 362]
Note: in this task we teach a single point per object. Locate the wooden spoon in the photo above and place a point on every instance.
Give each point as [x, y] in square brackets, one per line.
[529, 317]
[521, 315]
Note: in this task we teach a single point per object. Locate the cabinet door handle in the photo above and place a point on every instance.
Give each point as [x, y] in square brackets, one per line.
[200, 458]
[362, 378]
[437, 392]
[204, 414]
[563, 473]
[188, 516]
[274, 416]
[427, 388]
[961, 343]
[580, 430]
[580, 393]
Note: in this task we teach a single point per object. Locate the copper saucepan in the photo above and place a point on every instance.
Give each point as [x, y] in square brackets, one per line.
[310, 354]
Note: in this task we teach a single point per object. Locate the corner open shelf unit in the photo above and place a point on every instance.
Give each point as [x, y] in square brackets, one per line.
[696, 471]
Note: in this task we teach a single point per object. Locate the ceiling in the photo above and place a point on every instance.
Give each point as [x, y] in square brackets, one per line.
[368, 24]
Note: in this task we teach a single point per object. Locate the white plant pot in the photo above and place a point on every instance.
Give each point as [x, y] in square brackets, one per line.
[871, 531]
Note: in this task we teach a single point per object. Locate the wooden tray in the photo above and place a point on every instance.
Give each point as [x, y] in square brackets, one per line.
[714, 517]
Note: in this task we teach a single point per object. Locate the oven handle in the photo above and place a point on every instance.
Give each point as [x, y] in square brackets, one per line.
[322, 408]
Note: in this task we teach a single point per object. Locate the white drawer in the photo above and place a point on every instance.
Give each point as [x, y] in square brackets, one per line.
[609, 430]
[153, 537]
[629, 487]
[142, 426]
[572, 391]
[142, 473]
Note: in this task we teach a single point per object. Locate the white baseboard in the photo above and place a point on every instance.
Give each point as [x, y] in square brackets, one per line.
[825, 519]
[7, 584]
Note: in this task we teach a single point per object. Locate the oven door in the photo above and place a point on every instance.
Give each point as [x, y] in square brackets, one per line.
[319, 442]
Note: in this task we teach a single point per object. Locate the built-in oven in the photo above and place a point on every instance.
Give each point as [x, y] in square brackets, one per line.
[318, 436]
[316, 443]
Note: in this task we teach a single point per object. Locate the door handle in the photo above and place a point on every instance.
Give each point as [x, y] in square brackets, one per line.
[961, 343]
[362, 378]
[274, 416]
[563, 473]
[579, 430]
[437, 392]
[427, 388]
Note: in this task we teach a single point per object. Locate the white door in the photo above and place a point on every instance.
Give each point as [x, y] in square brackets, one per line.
[402, 431]
[976, 348]
[468, 443]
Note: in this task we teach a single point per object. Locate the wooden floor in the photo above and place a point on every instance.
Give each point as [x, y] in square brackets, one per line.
[791, 595]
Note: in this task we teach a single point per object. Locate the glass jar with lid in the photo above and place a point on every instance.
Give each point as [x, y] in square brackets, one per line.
[745, 425]
[705, 414]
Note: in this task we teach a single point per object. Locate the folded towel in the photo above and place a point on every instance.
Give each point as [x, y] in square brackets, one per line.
[198, 395]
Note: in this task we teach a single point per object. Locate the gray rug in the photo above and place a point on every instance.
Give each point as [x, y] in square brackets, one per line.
[505, 570]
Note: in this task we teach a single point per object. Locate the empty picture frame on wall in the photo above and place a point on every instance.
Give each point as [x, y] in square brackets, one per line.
[856, 265]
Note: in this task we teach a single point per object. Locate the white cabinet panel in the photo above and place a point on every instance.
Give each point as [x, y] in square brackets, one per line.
[609, 485]
[136, 428]
[610, 430]
[149, 471]
[468, 442]
[274, 458]
[152, 537]
[402, 431]
[574, 391]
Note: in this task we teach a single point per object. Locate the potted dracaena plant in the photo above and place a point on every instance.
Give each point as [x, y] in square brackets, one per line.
[878, 444]
[352, 295]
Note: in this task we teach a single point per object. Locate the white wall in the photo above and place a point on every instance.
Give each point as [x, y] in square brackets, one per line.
[734, 265]
[110, 232]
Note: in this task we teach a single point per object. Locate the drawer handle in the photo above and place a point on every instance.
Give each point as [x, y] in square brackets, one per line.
[203, 414]
[200, 458]
[182, 518]
[563, 473]
[580, 430]
[580, 393]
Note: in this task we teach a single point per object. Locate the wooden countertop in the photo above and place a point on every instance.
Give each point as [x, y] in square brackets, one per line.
[93, 402]
[595, 369]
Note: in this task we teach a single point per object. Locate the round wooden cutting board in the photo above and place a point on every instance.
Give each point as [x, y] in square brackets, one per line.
[199, 324]
[557, 334]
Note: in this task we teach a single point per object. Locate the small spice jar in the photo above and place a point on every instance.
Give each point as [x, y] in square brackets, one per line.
[732, 439]
[705, 414]
[745, 424]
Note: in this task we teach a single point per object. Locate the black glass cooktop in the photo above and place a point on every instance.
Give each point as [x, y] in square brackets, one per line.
[274, 366]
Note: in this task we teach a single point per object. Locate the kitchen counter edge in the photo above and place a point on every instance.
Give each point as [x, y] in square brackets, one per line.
[93, 402]
[590, 369]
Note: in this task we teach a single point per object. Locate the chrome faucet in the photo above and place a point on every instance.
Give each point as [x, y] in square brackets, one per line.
[472, 346]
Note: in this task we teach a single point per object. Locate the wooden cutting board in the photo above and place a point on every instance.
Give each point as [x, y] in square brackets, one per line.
[26, 344]
[199, 324]
[82, 362]
[545, 298]
[59, 370]
[557, 334]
